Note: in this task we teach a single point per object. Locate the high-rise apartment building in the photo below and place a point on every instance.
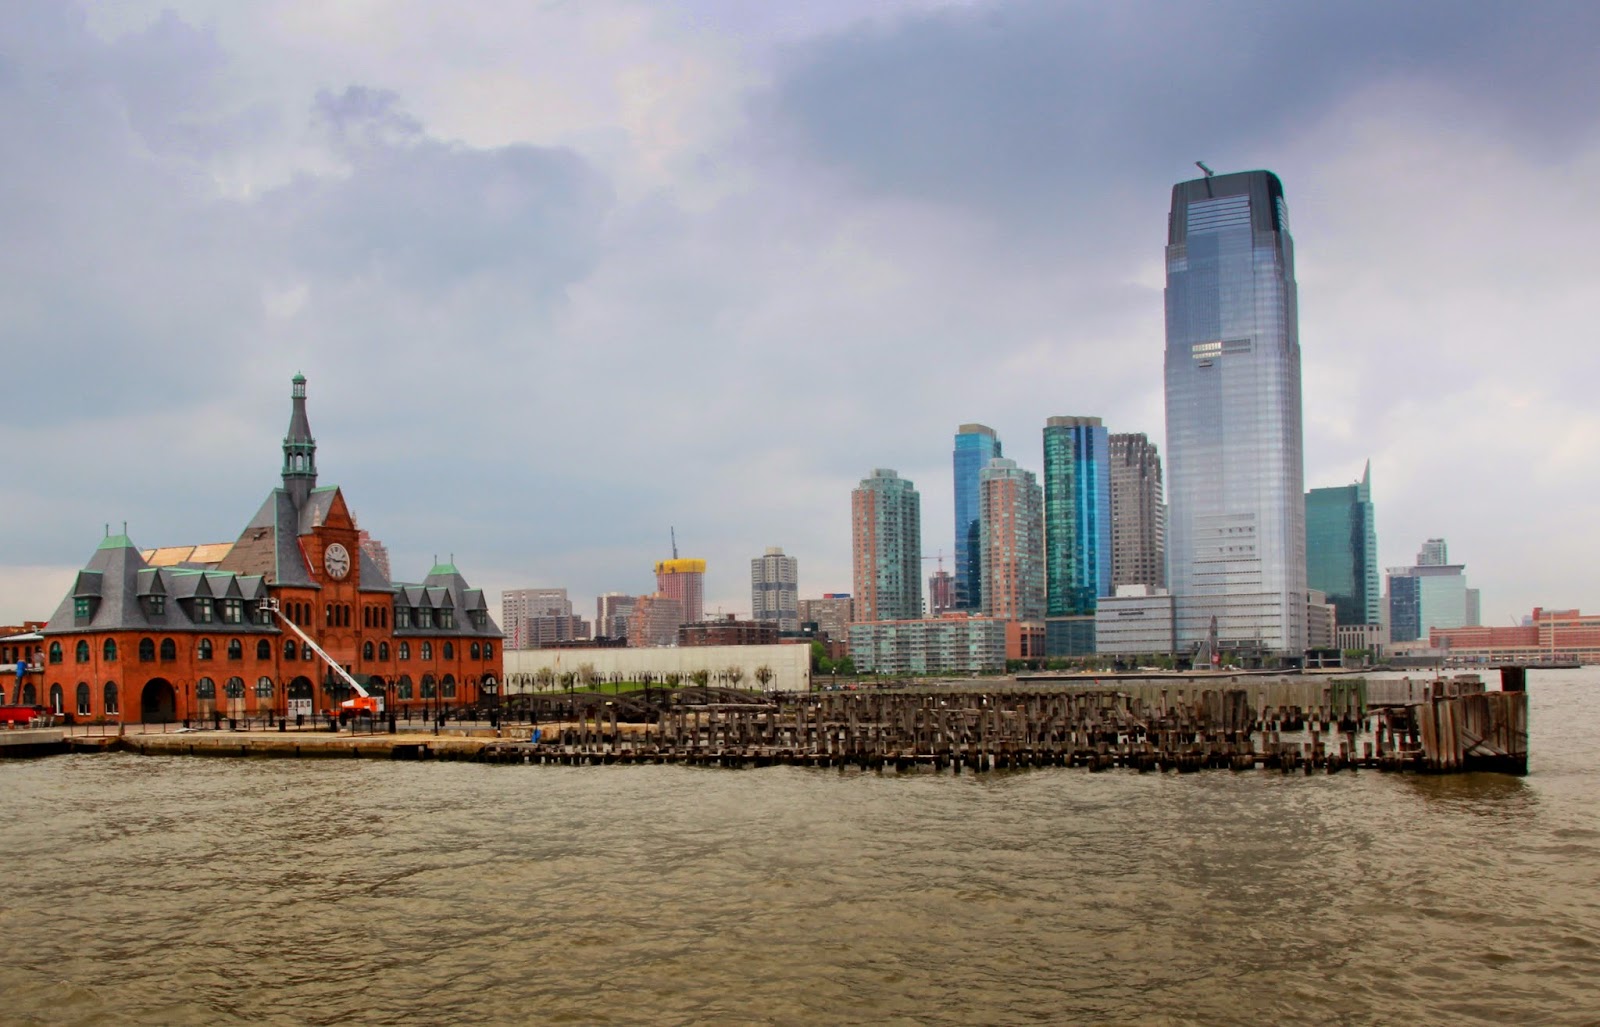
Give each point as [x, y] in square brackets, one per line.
[1011, 542]
[1342, 550]
[518, 605]
[654, 620]
[1138, 513]
[685, 581]
[941, 592]
[1236, 541]
[1434, 553]
[375, 549]
[1077, 515]
[886, 531]
[975, 446]
[775, 589]
[832, 614]
[611, 611]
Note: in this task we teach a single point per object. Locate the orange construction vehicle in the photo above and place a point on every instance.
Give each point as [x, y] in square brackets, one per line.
[363, 703]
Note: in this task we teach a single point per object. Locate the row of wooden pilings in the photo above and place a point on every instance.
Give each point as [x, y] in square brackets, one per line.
[1453, 728]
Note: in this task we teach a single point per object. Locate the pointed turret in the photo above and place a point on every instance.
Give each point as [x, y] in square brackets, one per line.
[299, 449]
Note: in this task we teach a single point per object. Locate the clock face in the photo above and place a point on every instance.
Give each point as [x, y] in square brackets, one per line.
[336, 561]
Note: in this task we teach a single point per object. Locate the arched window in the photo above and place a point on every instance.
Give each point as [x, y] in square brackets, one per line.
[263, 687]
[83, 698]
[449, 650]
[205, 688]
[383, 650]
[383, 615]
[263, 650]
[327, 615]
[488, 650]
[305, 651]
[235, 688]
[111, 697]
[203, 649]
[448, 686]
[405, 650]
[55, 652]
[169, 650]
[427, 650]
[56, 699]
[403, 689]
[108, 652]
[427, 686]
[83, 651]
[366, 616]
[288, 649]
[147, 650]
[235, 649]
[367, 650]
[476, 650]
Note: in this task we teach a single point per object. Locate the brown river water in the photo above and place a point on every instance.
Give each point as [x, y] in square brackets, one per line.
[143, 890]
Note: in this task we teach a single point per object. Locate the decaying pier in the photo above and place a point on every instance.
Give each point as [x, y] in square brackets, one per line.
[1185, 725]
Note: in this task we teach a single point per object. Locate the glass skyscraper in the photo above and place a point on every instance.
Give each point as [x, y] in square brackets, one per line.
[976, 445]
[1236, 539]
[1077, 515]
[1342, 550]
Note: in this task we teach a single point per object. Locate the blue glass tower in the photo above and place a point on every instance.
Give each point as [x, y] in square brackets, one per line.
[1077, 515]
[1236, 539]
[976, 445]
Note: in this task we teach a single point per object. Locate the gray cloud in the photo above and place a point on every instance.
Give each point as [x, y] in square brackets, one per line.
[1038, 112]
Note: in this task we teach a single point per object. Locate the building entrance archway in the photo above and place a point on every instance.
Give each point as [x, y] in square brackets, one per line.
[302, 697]
[158, 702]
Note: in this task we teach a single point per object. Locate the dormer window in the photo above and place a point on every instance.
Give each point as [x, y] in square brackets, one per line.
[424, 617]
[202, 611]
[447, 618]
[233, 611]
[83, 607]
[155, 606]
[402, 616]
[479, 618]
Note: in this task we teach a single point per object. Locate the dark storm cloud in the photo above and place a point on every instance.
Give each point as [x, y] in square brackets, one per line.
[420, 211]
[1020, 107]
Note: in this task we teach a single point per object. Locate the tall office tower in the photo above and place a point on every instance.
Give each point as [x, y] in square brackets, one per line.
[775, 589]
[1138, 513]
[685, 581]
[976, 445]
[1430, 595]
[1342, 550]
[1236, 535]
[1011, 541]
[1434, 553]
[519, 604]
[611, 611]
[1077, 515]
[886, 529]
[941, 592]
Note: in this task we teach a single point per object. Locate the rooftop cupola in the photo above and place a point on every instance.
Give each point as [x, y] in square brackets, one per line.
[299, 449]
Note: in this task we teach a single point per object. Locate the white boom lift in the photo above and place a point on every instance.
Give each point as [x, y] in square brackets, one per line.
[363, 702]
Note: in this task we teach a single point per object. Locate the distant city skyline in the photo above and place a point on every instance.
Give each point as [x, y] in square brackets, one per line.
[741, 253]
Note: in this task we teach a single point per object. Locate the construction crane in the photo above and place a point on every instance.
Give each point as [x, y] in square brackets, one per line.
[1202, 166]
[363, 703]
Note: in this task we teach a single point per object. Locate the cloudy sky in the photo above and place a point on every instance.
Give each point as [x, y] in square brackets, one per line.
[565, 274]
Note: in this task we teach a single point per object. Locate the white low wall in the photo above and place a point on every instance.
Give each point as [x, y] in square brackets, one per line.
[791, 664]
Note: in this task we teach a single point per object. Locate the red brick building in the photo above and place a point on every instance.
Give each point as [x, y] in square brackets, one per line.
[179, 634]
[1550, 636]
